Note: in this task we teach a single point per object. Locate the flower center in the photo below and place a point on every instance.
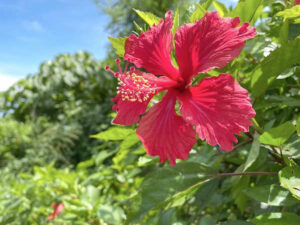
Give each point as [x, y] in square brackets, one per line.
[132, 85]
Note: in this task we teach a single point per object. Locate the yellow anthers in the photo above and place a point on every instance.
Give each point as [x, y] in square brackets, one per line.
[133, 87]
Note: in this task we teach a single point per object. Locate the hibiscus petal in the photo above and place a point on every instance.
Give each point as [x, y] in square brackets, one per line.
[219, 108]
[135, 90]
[152, 49]
[164, 133]
[209, 43]
[128, 112]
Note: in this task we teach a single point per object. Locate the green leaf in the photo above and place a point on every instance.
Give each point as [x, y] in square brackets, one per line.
[239, 197]
[175, 21]
[125, 147]
[236, 222]
[284, 100]
[292, 147]
[104, 154]
[206, 4]
[111, 214]
[278, 135]
[284, 218]
[298, 126]
[113, 134]
[207, 220]
[253, 153]
[271, 194]
[247, 10]
[221, 8]
[90, 196]
[119, 45]
[205, 194]
[167, 185]
[289, 178]
[149, 18]
[197, 14]
[167, 217]
[284, 32]
[276, 63]
[292, 14]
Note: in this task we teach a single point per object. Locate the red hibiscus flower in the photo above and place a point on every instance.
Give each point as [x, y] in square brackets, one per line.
[215, 109]
[57, 209]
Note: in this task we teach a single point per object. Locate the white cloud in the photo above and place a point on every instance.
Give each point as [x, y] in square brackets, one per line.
[33, 26]
[6, 81]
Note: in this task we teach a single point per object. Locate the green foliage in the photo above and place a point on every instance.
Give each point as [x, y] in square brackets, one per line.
[57, 143]
[277, 135]
[236, 222]
[156, 193]
[149, 18]
[277, 219]
[273, 195]
[292, 14]
[114, 134]
[290, 178]
[121, 16]
[119, 45]
[197, 14]
[221, 8]
[72, 92]
[273, 65]
[298, 126]
[248, 10]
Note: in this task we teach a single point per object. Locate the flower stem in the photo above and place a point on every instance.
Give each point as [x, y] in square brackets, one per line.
[256, 126]
[220, 175]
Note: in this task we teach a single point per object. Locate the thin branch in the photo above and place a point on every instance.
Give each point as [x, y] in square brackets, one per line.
[242, 143]
[293, 85]
[281, 155]
[220, 175]
[275, 157]
[254, 102]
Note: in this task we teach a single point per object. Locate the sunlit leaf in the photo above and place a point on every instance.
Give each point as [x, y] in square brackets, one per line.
[175, 21]
[246, 10]
[149, 18]
[113, 134]
[119, 45]
[292, 14]
[273, 65]
[278, 135]
[271, 194]
[206, 4]
[197, 14]
[221, 8]
[290, 179]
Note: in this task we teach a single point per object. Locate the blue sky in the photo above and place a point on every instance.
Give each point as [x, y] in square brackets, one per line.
[32, 31]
